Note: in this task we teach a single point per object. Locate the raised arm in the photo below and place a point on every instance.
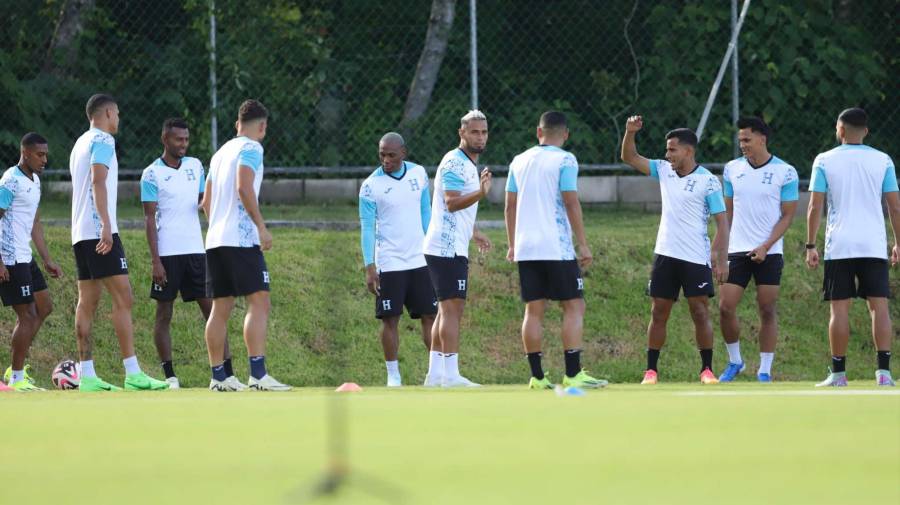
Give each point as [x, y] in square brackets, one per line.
[454, 199]
[629, 149]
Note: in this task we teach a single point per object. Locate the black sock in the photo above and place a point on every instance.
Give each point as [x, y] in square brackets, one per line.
[168, 369]
[838, 364]
[573, 362]
[258, 367]
[706, 358]
[652, 359]
[534, 361]
[884, 360]
[218, 373]
[228, 370]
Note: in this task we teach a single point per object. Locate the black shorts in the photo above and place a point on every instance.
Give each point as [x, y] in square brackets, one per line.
[235, 271]
[553, 280]
[671, 275]
[449, 276]
[25, 279]
[92, 265]
[856, 277]
[741, 268]
[185, 273]
[411, 288]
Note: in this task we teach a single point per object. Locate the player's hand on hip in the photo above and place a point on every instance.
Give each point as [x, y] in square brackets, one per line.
[53, 269]
[758, 255]
[812, 258]
[4, 273]
[895, 255]
[373, 281]
[634, 124]
[104, 246]
[486, 180]
[159, 274]
[265, 239]
[585, 258]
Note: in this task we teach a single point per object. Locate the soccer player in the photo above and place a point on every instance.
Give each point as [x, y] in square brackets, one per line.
[171, 190]
[542, 211]
[761, 193]
[235, 241]
[99, 254]
[855, 178]
[22, 284]
[394, 212]
[458, 187]
[684, 260]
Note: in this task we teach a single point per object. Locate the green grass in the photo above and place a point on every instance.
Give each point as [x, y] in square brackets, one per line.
[500, 445]
[322, 331]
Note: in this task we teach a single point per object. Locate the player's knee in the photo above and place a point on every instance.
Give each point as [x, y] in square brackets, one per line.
[727, 311]
[45, 310]
[699, 313]
[659, 315]
[164, 311]
[768, 312]
[574, 307]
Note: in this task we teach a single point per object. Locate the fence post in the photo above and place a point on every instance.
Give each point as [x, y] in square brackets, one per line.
[735, 81]
[213, 97]
[473, 31]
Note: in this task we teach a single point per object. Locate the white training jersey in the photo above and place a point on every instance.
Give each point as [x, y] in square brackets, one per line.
[229, 223]
[450, 232]
[538, 177]
[757, 194]
[93, 147]
[176, 192]
[19, 198]
[855, 178]
[396, 207]
[687, 203]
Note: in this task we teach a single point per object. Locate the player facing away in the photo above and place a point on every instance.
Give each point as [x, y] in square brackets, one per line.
[99, 254]
[171, 190]
[761, 193]
[394, 212]
[542, 210]
[458, 187]
[22, 285]
[683, 260]
[235, 241]
[855, 178]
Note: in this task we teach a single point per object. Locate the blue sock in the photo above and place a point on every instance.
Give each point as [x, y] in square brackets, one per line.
[258, 367]
[218, 373]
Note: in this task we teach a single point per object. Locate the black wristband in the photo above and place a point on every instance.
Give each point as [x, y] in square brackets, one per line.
[810, 246]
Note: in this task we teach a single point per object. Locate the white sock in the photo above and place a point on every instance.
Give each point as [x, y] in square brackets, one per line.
[451, 365]
[87, 368]
[734, 352]
[393, 368]
[435, 364]
[765, 362]
[17, 376]
[131, 365]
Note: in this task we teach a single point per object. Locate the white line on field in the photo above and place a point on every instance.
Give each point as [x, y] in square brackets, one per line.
[892, 392]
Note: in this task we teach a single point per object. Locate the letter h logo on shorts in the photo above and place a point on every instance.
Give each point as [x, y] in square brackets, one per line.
[157, 287]
[580, 284]
[767, 178]
[462, 284]
[26, 290]
[124, 263]
[414, 184]
[689, 185]
[266, 276]
[385, 304]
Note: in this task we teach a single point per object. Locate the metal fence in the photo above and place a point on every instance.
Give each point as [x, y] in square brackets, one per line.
[337, 74]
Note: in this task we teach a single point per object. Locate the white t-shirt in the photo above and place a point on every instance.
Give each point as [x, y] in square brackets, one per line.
[538, 176]
[93, 147]
[758, 193]
[19, 198]
[687, 203]
[450, 232]
[229, 223]
[855, 177]
[394, 210]
[176, 192]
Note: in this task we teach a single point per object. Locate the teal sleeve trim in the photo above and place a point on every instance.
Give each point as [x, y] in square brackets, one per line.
[729, 189]
[715, 202]
[367, 230]
[817, 183]
[654, 170]
[790, 192]
[568, 176]
[511, 186]
[452, 181]
[890, 180]
[6, 197]
[149, 192]
[101, 153]
[425, 208]
[251, 158]
[202, 182]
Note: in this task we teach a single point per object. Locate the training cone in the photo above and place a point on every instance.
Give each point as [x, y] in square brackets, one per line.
[4, 387]
[348, 387]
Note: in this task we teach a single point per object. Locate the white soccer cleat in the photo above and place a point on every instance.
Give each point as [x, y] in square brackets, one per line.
[235, 384]
[433, 381]
[221, 386]
[394, 381]
[173, 383]
[834, 379]
[883, 378]
[459, 382]
[267, 383]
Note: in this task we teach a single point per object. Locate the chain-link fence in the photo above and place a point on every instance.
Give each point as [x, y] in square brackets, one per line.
[337, 74]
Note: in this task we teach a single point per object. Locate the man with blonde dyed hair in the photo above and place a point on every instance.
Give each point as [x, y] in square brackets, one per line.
[458, 187]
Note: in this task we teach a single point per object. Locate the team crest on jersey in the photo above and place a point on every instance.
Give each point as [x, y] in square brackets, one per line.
[689, 185]
[414, 184]
[190, 175]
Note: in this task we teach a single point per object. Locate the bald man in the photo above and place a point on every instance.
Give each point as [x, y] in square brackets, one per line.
[394, 212]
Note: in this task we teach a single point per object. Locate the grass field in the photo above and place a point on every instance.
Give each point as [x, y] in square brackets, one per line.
[322, 314]
[671, 444]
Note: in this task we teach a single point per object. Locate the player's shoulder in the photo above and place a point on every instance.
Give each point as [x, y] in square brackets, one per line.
[735, 164]
[100, 136]
[378, 172]
[191, 161]
[784, 167]
[10, 178]
[414, 168]
[454, 161]
[248, 144]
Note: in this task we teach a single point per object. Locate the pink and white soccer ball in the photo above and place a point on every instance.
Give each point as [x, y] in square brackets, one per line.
[66, 375]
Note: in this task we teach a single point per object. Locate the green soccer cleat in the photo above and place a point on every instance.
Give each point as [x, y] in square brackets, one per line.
[583, 381]
[536, 383]
[96, 384]
[7, 376]
[24, 386]
[143, 382]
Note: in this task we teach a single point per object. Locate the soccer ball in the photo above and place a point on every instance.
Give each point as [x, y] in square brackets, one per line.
[66, 375]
